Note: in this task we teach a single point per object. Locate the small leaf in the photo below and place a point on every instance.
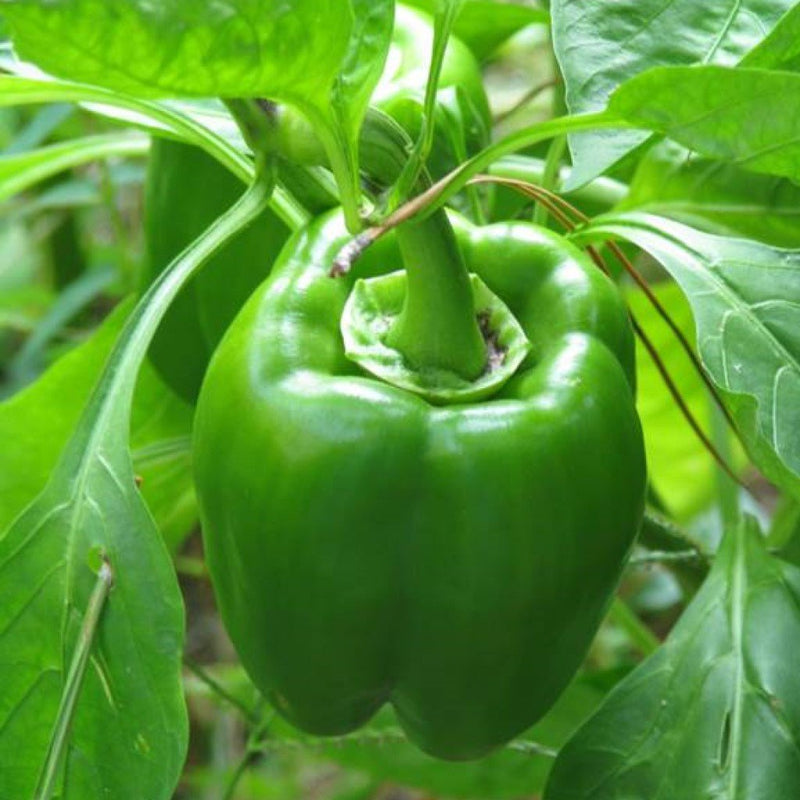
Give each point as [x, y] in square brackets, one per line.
[338, 118]
[602, 45]
[746, 116]
[715, 713]
[744, 298]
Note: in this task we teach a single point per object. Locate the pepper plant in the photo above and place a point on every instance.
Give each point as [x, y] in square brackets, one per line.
[487, 411]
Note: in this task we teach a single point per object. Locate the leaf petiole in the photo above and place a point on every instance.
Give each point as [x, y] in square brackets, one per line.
[72, 685]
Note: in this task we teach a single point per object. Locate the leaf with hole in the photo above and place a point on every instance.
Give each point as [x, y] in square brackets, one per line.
[715, 713]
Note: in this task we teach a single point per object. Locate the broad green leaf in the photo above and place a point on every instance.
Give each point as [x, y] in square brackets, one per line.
[744, 296]
[240, 48]
[483, 25]
[721, 112]
[715, 196]
[35, 424]
[781, 49]
[127, 737]
[602, 45]
[678, 465]
[715, 713]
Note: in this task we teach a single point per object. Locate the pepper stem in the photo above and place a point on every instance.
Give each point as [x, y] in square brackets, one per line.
[437, 327]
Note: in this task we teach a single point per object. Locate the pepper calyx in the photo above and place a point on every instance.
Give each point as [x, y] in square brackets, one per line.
[373, 306]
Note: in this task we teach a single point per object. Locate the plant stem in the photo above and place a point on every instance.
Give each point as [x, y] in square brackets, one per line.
[644, 639]
[437, 195]
[443, 23]
[665, 557]
[550, 176]
[250, 714]
[77, 669]
[437, 327]
[341, 157]
[727, 488]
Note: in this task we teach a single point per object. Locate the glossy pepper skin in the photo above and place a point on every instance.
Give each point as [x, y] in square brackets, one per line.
[186, 191]
[368, 547]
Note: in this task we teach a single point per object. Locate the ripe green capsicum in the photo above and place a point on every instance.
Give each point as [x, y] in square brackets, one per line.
[420, 487]
[187, 189]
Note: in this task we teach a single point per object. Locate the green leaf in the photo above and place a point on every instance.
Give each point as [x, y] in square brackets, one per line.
[240, 48]
[602, 45]
[744, 298]
[338, 120]
[483, 25]
[33, 434]
[781, 49]
[129, 729]
[716, 711]
[720, 112]
[715, 196]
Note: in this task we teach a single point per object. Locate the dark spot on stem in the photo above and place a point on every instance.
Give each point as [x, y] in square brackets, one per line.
[496, 352]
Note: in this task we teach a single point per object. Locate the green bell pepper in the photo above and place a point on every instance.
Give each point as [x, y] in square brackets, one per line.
[450, 556]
